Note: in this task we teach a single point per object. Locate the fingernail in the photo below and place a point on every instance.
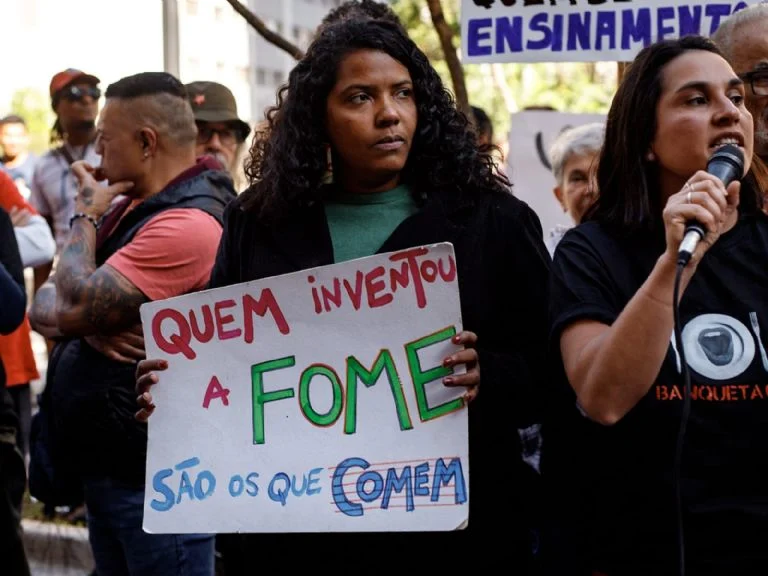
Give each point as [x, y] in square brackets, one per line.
[448, 361]
[448, 381]
[457, 338]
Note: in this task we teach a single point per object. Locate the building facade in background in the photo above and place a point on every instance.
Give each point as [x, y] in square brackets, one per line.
[123, 38]
[215, 43]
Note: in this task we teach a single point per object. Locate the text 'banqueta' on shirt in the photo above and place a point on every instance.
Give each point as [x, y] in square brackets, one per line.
[624, 472]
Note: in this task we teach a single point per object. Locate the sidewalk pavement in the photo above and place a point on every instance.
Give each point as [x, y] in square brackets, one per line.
[57, 549]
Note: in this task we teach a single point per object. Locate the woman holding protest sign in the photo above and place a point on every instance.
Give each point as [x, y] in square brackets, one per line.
[406, 172]
[650, 488]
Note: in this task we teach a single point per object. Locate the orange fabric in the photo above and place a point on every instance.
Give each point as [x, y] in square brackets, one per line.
[10, 197]
[16, 348]
[17, 356]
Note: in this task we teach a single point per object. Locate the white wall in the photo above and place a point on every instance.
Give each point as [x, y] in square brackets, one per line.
[108, 38]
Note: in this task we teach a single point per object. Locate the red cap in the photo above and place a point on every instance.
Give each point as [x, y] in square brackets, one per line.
[69, 76]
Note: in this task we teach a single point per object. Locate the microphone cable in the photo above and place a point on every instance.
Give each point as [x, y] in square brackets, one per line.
[727, 163]
[676, 471]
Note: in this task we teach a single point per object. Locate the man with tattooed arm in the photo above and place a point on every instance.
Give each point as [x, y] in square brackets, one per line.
[147, 224]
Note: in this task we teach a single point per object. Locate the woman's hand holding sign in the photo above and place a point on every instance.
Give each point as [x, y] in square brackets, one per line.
[145, 379]
[468, 356]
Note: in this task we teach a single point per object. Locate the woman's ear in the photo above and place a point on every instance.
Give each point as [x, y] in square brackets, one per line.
[560, 197]
[328, 178]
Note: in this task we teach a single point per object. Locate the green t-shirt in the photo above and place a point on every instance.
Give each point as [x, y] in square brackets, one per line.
[361, 223]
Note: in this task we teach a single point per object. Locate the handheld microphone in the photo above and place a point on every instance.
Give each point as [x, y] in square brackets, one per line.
[727, 163]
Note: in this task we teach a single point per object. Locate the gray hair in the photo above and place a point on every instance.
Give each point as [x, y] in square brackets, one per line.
[584, 139]
[169, 115]
[724, 35]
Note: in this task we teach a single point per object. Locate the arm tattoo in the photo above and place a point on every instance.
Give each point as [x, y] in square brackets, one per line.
[92, 299]
[86, 194]
[42, 314]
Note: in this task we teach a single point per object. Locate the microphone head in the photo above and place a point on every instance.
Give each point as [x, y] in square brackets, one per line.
[727, 162]
[729, 153]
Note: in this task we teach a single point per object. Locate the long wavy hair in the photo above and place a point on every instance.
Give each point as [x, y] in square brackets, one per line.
[288, 160]
[629, 201]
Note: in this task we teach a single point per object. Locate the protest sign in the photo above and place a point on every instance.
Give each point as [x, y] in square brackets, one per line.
[528, 167]
[581, 30]
[310, 402]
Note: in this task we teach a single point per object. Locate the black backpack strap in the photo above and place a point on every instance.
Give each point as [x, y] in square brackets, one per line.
[66, 154]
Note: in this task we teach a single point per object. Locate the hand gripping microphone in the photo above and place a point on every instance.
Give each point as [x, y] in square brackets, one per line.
[727, 163]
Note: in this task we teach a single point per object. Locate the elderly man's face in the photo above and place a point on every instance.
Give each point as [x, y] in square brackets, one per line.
[220, 140]
[750, 61]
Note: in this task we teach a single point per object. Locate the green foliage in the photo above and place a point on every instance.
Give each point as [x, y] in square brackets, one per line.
[35, 108]
[571, 87]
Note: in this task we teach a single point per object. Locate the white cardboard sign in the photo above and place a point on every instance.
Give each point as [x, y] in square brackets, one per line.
[310, 402]
[582, 30]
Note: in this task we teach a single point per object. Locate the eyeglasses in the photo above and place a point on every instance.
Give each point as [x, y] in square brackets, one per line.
[227, 136]
[74, 93]
[758, 79]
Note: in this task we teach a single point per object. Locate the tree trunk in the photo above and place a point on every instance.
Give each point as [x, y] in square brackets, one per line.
[500, 79]
[445, 34]
[268, 35]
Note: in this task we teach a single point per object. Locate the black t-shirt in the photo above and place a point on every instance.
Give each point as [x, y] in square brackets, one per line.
[622, 475]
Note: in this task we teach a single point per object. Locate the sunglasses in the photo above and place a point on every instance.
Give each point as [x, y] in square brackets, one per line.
[758, 80]
[227, 136]
[75, 93]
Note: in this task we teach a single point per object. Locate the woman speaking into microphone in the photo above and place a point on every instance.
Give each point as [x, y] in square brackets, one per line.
[641, 504]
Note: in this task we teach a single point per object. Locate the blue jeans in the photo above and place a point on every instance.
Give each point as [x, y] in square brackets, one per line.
[122, 548]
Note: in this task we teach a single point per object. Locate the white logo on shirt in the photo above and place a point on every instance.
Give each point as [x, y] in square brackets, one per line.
[720, 347]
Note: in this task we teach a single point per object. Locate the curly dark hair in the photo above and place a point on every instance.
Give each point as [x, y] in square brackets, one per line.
[288, 162]
[359, 10]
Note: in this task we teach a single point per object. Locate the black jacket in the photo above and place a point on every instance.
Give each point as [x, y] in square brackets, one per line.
[503, 271]
[94, 401]
[12, 306]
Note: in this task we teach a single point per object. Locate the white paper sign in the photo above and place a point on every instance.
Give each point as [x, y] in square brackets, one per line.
[530, 136]
[582, 30]
[310, 402]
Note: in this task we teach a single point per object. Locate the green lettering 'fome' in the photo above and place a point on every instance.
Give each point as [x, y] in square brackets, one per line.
[260, 397]
[422, 378]
[356, 370]
[306, 405]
